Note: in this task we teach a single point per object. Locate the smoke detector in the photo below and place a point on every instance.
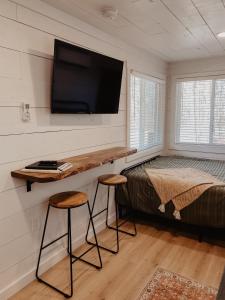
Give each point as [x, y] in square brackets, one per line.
[110, 12]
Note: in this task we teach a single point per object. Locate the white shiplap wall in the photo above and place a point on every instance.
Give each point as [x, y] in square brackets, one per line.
[187, 69]
[27, 32]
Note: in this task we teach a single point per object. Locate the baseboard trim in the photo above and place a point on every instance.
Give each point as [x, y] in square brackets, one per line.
[58, 255]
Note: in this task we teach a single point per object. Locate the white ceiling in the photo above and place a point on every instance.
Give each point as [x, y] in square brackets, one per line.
[173, 29]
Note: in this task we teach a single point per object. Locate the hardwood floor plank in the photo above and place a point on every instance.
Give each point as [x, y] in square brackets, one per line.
[125, 275]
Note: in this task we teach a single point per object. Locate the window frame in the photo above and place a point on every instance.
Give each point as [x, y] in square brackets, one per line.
[162, 90]
[172, 118]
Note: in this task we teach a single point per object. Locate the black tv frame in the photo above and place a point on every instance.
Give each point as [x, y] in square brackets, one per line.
[57, 43]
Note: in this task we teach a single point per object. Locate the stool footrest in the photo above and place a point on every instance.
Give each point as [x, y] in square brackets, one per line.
[122, 231]
[83, 260]
[85, 252]
[100, 212]
[86, 262]
[52, 242]
[104, 248]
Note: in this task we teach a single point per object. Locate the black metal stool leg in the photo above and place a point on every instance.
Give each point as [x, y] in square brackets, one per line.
[42, 242]
[133, 213]
[75, 258]
[95, 236]
[92, 210]
[117, 228]
[93, 216]
[117, 224]
[107, 207]
[43, 247]
[70, 252]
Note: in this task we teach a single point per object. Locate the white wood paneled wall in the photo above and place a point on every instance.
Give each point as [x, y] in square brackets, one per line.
[27, 32]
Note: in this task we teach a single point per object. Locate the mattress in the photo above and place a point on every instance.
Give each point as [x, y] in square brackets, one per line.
[208, 210]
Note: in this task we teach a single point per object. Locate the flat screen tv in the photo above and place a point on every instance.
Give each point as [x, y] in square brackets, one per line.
[84, 81]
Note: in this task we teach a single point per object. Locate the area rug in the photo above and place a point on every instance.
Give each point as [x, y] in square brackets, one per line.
[166, 285]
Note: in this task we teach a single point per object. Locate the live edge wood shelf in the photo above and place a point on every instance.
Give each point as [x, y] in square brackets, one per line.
[80, 163]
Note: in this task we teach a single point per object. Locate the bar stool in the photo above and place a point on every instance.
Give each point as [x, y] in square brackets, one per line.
[110, 180]
[68, 200]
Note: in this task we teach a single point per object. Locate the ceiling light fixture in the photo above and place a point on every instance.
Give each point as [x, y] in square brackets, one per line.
[110, 12]
[221, 34]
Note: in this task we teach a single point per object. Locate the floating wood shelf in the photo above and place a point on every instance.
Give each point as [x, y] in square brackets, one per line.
[80, 163]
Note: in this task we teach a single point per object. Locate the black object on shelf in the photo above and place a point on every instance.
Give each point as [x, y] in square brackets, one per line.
[45, 165]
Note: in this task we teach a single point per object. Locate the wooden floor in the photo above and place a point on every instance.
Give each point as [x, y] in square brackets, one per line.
[125, 275]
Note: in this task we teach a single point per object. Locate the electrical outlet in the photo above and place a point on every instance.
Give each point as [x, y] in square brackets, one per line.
[26, 112]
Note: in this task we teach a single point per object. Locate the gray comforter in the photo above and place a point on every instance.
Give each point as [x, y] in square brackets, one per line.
[207, 210]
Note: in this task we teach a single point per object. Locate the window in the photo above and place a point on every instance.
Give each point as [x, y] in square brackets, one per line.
[146, 112]
[201, 112]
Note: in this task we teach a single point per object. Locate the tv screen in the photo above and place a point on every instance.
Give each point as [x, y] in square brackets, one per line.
[84, 81]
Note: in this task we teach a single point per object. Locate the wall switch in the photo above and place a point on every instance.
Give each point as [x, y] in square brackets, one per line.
[26, 112]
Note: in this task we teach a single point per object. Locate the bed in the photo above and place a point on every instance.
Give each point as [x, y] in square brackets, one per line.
[208, 210]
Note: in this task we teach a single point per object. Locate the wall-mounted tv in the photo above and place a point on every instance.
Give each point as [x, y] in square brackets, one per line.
[84, 81]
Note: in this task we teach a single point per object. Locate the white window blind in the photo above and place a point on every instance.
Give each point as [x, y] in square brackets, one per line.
[201, 112]
[146, 113]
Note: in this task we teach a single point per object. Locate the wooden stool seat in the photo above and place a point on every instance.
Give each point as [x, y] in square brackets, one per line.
[112, 179]
[69, 199]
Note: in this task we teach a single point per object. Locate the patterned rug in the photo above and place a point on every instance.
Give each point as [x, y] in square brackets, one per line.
[166, 285]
